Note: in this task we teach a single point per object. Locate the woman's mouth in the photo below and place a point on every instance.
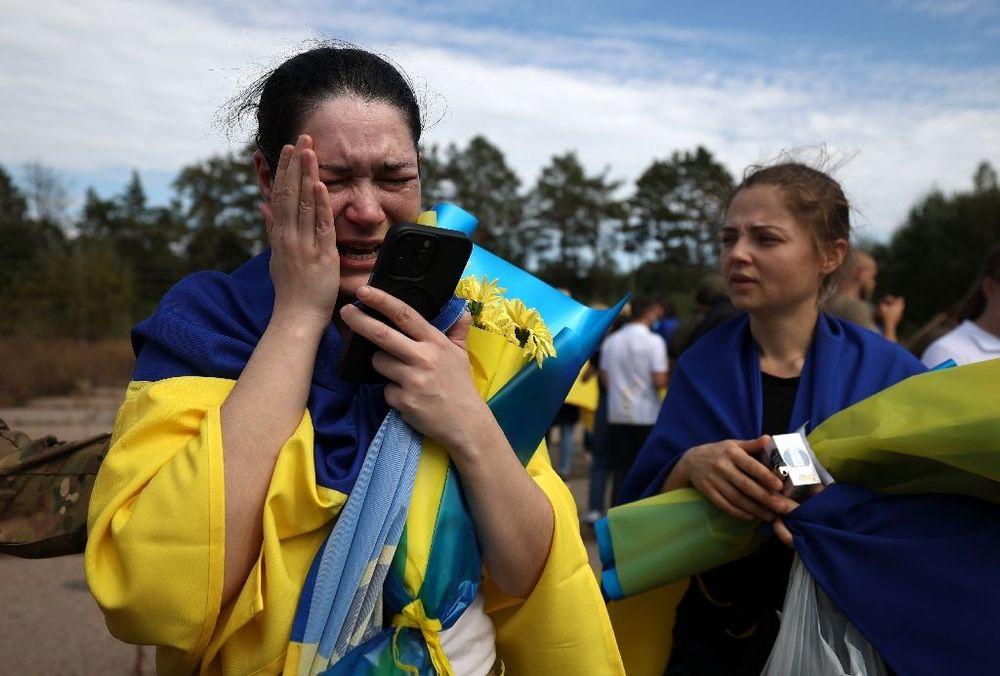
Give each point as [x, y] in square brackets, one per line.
[741, 280]
[358, 255]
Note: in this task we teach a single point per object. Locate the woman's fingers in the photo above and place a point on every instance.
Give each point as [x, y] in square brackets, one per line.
[722, 503]
[782, 532]
[272, 219]
[392, 368]
[756, 470]
[381, 334]
[306, 220]
[764, 488]
[285, 200]
[459, 333]
[737, 498]
[326, 235]
[399, 313]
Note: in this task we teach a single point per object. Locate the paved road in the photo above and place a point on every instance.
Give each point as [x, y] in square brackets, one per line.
[49, 624]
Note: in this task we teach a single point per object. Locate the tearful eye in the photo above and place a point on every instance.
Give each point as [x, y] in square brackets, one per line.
[397, 181]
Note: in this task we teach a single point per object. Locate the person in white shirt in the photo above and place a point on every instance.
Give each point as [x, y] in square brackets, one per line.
[978, 339]
[633, 368]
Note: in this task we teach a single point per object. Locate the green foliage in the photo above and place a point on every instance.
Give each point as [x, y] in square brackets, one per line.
[574, 218]
[218, 199]
[935, 257]
[96, 275]
[677, 209]
[23, 239]
[145, 239]
[85, 291]
[13, 205]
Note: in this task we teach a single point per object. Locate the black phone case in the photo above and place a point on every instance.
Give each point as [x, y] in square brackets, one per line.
[426, 292]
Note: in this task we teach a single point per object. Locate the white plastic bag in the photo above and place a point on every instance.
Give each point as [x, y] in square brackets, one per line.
[815, 638]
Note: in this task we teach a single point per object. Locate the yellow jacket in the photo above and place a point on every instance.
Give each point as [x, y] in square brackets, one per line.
[155, 553]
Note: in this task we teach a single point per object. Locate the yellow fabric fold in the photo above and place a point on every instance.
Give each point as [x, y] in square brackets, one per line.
[155, 553]
[562, 627]
[414, 615]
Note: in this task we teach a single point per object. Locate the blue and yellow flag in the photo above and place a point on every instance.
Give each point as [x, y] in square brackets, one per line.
[158, 580]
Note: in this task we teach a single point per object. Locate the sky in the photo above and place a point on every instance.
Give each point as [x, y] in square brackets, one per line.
[897, 96]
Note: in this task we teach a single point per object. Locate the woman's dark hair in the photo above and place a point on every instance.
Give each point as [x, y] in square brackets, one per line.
[284, 97]
[814, 198]
[974, 302]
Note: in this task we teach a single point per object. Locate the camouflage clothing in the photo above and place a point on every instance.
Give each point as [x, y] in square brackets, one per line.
[44, 491]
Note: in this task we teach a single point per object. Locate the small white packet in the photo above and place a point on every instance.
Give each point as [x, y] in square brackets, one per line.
[796, 459]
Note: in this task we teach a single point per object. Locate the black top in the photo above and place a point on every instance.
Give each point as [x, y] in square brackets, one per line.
[730, 611]
[778, 395]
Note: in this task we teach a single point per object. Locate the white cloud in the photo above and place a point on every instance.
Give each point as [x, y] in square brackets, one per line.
[112, 83]
[972, 9]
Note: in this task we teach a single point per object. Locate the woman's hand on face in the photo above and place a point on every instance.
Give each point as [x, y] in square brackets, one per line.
[728, 474]
[431, 379]
[305, 264]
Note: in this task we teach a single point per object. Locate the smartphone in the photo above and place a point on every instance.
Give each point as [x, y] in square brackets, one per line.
[421, 266]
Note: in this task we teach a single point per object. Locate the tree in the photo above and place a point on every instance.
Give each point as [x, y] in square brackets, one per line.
[48, 197]
[478, 179]
[13, 205]
[218, 199]
[22, 238]
[435, 185]
[573, 217]
[486, 187]
[985, 178]
[147, 239]
[678, 205]
[83, 292]
[935, 256]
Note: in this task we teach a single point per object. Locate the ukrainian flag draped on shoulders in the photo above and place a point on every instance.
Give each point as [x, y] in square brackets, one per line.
[155, 553]
[907, 542]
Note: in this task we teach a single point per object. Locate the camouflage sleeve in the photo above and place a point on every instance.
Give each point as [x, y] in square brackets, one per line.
[45, 488]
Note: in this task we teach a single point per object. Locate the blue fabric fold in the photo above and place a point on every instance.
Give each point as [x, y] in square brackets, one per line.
[917, 575]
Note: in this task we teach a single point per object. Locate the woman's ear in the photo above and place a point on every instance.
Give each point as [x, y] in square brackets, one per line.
[263, 175]
[832, 256]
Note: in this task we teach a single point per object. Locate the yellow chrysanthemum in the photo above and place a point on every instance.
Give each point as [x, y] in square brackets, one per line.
[480, 294]
[528, 330]
[494, 318]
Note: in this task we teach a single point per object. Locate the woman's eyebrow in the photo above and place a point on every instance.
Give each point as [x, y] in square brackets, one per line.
[386, 166]
[398, 166]
[765, 226]
[335, 168]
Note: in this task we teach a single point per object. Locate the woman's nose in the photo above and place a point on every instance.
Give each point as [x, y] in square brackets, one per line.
[365, 209]
[740, 250]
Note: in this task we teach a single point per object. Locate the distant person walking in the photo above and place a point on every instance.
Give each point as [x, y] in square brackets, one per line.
[633, 368]
[668, 323]
[977, 338]
[712, 307]
[853, 298]
[597, 501]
